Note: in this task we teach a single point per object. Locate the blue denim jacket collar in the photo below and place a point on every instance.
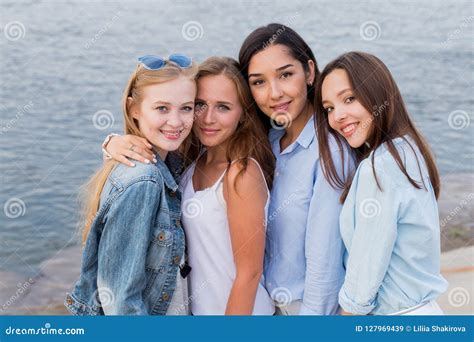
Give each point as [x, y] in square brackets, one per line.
[165, 172]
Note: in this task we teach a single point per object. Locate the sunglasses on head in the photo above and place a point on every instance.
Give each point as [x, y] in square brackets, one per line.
[152, 62]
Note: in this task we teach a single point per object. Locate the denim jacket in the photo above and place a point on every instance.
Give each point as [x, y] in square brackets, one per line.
[134, 247]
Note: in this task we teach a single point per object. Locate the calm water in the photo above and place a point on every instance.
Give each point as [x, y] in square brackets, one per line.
[68, 61]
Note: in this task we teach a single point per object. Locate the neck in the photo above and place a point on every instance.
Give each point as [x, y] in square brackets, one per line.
[216, 154]
[162, 153]
[293, 131]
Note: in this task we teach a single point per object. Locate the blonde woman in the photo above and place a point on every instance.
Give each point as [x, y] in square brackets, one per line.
[133, 260]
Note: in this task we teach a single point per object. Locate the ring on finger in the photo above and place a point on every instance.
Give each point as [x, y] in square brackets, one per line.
[132, 148]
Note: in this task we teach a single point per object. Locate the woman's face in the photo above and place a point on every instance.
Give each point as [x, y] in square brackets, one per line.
[346, 115]
[218, 110]
[165, 115]
[279, 83]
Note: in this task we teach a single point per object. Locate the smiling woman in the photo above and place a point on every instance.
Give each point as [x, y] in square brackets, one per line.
[134, 243]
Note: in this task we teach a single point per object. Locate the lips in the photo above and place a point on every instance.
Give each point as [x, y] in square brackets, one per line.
[208, 131]
[172, 135]
[281, 107]
[349, 129]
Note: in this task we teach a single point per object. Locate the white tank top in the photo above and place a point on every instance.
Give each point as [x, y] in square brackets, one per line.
[210, 250]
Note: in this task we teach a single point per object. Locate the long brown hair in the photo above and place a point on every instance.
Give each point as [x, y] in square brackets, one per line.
[376, 90]
[250, 138]
[277, 34]
[139, 79]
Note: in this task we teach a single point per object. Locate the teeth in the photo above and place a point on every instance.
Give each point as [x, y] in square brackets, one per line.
[349, 128]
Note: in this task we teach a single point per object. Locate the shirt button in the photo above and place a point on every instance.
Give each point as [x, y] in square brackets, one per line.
[69, 300]
[178, 222]
[165, 296]
[176, 259]
[161, 236]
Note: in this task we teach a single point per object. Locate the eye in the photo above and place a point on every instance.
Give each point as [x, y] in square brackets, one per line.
[257, 82]
[328, 109]
[187, 109]
[349, 99]
[223, 108]
[162, 109]
[286, 75]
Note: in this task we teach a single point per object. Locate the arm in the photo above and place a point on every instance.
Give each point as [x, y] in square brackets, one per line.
[324, 248]
[246, 212]
[375, 233]
[119, 148]
[123, 249]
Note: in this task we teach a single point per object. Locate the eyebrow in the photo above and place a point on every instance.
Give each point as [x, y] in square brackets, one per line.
[218, 102]
[277, 69]
[170, 104]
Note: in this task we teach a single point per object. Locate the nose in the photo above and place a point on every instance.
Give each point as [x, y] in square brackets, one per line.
[339, 114]
[276, 92]
[206, 116]
[175, 120]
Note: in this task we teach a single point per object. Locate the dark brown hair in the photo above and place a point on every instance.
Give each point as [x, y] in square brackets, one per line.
[374, 87]
[250, 138]
[274, 34]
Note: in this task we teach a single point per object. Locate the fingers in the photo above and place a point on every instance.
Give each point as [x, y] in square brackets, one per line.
[144, 154]
[124, 161]
[134, 155]
[140, 146]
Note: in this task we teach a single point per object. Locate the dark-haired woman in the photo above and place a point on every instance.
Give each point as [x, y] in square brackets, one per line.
[389, 221]
[304, 250]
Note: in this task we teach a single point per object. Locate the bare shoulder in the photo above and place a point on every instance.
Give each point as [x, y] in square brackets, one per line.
[251, 180]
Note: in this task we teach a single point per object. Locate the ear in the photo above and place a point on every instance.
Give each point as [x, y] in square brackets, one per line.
[311, 73]
[131, 108]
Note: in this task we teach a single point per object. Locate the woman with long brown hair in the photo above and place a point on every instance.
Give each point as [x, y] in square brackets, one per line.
[389, 221]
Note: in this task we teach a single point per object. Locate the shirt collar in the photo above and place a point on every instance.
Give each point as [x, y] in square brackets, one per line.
[305, 138]
[165, 172]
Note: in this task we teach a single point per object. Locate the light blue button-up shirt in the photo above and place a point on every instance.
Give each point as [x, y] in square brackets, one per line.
[392, 236]
[304, 249]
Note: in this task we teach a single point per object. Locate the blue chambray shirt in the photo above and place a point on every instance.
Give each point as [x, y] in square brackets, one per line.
[304, 250]
[392, 237]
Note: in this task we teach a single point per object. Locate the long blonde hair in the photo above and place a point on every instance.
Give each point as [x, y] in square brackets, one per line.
[139, 79]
